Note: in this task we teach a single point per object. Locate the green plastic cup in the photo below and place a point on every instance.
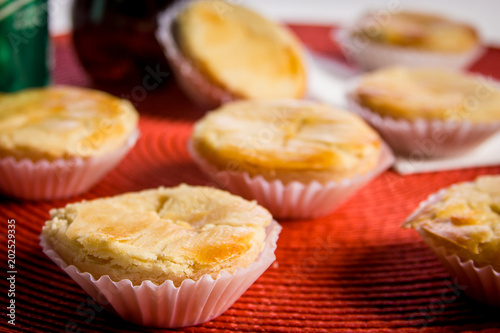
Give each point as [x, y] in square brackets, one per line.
[24, 44]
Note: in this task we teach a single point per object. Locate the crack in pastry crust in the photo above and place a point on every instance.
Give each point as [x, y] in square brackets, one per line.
[163, 234]
[63, 122]
[241, 51]
[465, 220]
[287, 140]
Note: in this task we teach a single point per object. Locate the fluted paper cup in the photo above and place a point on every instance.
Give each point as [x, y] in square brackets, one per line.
[295, 199]
[423, 138]
[371, 55]
[168, 306]
[480, 283]
[61, 178]
[198, 88]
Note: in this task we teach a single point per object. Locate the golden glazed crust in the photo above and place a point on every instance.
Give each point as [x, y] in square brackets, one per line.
[63, 122]
[161, 234]
[419, 31]
[429, 94]
[240, 51]
[465, 220]
[287, 140]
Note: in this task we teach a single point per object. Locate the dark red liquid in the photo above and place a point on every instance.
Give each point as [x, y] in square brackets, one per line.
[115, 39]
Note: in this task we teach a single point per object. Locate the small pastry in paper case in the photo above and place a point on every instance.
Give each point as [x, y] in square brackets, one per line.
[461, 225]
[221, 51]
[299, 159]
[427, 112]
[59, 141]
[167, 257]
[382, 39]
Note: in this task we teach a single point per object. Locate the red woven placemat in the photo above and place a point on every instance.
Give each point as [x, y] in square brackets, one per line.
[355, 270]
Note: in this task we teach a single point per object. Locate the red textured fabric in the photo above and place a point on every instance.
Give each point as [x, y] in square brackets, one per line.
[355, 270]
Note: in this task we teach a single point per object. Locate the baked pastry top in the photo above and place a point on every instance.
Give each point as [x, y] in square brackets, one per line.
[63, 122]
[241, 51]
[287, 140]
[162, 234]
[465, 219]
[406, 93]
[417, 30]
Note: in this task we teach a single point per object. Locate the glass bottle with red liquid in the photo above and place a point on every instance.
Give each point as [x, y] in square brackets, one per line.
[115, 39]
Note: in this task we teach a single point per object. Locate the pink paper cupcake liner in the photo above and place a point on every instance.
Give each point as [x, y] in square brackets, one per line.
[422, 138]
[61, 178]
[480, 283]
[370, 55]
[167, 306]
[198, 88]
[295, 199]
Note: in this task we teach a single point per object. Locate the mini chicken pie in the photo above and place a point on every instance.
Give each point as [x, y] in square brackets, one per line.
[418, 31]
[465, 220]
[63, 122]
[157, 235]
[239, 51]
[287, 140]
[388, 38]
[405, 93]
[59, 141]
